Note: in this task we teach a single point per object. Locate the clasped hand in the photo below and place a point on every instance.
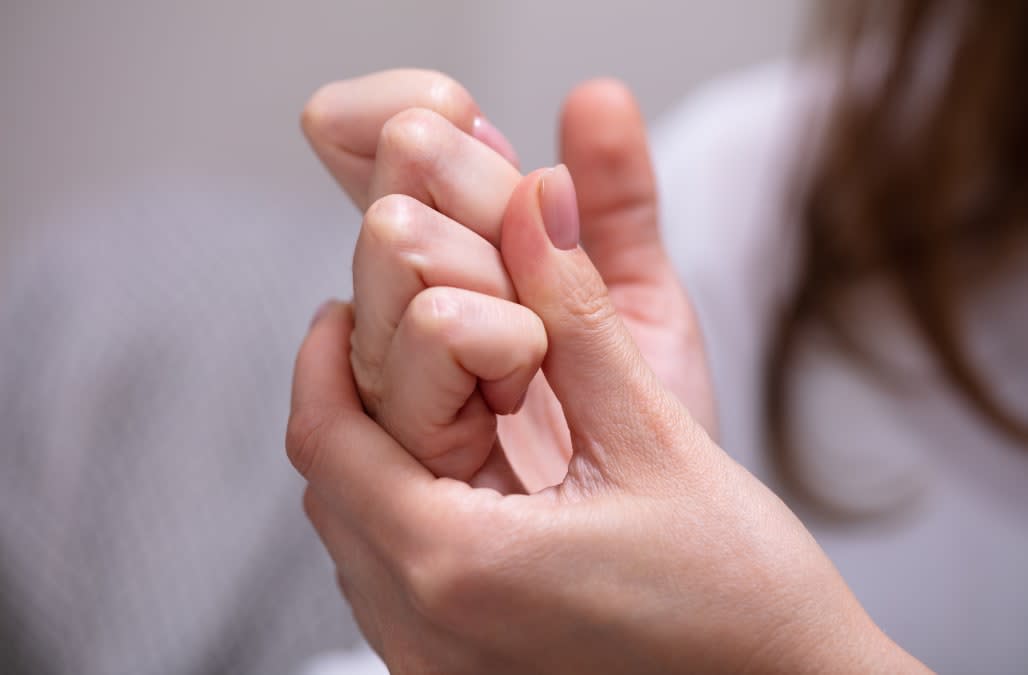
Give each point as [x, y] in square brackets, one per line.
[508, 435]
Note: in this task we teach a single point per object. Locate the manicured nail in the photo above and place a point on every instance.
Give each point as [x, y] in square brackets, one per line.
[559, 206]
[321, 312]
[483, 130]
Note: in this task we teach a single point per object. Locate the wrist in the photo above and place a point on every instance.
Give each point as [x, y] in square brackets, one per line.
[851, 644]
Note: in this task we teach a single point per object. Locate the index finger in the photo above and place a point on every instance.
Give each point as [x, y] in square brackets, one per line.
[342, 120]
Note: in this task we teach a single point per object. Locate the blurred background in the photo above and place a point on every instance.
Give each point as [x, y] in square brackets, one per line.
[99, 92]
[165, 234]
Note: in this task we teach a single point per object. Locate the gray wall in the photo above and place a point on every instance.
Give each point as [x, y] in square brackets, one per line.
[96, 94]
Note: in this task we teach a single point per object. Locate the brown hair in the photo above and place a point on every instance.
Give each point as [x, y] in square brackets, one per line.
[920, 180]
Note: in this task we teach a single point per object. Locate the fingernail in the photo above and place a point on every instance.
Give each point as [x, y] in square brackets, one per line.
[483, 130]
[559, 206]
[320, 312]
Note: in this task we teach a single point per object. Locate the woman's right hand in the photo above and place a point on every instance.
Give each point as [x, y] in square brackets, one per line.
[410, 148]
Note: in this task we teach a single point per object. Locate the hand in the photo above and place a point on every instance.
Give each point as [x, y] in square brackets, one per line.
[656, 554]
[379, 149]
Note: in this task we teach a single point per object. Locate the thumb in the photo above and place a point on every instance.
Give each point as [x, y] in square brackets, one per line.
[603, 143]
[609, 394]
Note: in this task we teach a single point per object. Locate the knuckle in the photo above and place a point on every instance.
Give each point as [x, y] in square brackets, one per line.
[449, 98]
[590, 307]
[436, 311]
[411, 137]
[448, 586]
[432, 586]
[392, 222]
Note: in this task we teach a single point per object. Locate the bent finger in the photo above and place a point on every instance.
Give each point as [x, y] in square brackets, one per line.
[457, 359]
[343, 120]
[422, 154]
[405, 247]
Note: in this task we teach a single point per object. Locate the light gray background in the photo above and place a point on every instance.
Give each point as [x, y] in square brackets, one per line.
[97, 93]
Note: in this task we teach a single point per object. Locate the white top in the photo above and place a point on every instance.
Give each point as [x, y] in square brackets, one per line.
[948, 579]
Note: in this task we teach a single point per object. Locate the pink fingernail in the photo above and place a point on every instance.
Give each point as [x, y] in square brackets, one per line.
[558, 204]
[483, 130]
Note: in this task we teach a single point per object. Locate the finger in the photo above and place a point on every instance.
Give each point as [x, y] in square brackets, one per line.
[592, 364]
[346, 457]
[484, 131]
[603, 143]
[343, 120]
[422, 154]
[457, 358]
[325, 388]
[405, 247]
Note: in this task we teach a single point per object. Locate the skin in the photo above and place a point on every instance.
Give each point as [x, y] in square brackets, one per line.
[403, 145]
[652, 551]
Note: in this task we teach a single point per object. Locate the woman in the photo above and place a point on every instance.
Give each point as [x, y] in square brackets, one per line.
[688, 562]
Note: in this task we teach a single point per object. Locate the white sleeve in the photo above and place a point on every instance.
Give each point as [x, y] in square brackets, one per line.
[724, 160]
